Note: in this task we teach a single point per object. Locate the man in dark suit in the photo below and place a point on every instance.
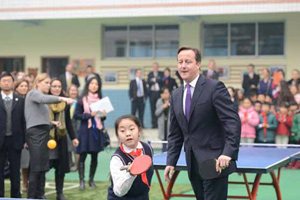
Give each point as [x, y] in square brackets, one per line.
[138, 95]
[12, 133]
[155, 81]
[90, 73]
[250, 81]
[211, 72]
[202, 116]
[295, 78]
[69, 78]
[168, 81]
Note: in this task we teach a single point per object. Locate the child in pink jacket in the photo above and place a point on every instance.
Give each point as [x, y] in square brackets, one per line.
[249, 119]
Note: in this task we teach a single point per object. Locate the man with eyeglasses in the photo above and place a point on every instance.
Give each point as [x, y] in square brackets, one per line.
[12, 132]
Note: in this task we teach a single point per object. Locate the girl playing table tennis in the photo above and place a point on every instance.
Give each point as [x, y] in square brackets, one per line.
[124, 185]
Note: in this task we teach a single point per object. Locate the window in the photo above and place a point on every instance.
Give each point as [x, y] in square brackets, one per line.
[115, 42]
[244, 39]
[11, 64]
[166, 41]
[271, 40]
[140, 38]
[140, 41]
[216, 40]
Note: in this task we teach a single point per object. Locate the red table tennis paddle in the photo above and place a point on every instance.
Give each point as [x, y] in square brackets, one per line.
[207, 169]
[139, 165]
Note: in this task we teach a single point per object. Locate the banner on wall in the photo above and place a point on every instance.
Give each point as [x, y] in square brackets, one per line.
[80, 65]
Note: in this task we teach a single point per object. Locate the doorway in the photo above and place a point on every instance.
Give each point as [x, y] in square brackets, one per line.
[54, 66]
[11, 64]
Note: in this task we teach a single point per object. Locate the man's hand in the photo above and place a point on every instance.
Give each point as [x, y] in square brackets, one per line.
[169, 173]
[222, 162]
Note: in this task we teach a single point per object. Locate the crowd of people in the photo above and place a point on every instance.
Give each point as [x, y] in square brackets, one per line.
[36, 109]
[269, 108]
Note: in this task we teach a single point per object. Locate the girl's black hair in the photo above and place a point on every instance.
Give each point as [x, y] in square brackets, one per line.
[130, 117]
[86, 88]
[61, 92]
[163, 89]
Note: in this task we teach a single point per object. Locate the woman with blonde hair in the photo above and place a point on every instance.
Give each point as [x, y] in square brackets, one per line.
[38, 126]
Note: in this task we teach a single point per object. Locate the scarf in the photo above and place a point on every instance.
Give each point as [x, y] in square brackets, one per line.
[265, 121]
[282, 118]
[58, 109]
[245, 114]
[137, 153]
[87, 101]
[72, 109]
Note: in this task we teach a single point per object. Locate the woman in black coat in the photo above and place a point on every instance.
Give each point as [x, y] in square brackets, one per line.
[168, 81]
[59, 156]
[90, 132]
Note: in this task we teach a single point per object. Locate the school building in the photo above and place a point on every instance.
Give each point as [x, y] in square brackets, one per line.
[117, 37]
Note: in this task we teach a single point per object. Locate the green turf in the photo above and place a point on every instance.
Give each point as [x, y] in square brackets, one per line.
[289, 184]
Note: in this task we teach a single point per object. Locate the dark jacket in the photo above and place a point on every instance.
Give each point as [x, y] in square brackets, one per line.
[292, 80]
[75, 81]
[214, 76]
[133, 89]
[18, 121]
[214, 127]
[248, 82]
[62, 143]
[170, 83]
[159, 79]
[91, 140]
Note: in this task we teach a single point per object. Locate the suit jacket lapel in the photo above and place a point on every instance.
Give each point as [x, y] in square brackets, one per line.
[15, 101]
[2, 103]
[197, 92]
[181, 107]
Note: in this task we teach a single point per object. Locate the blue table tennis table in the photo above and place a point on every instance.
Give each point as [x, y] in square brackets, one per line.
[258, 160]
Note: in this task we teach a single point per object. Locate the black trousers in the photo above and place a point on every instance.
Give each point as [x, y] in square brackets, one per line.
[138, 104]
[59, 175]
[36, 186]
[7, 151]
[154, 96]
[94, 157]
[213, 189]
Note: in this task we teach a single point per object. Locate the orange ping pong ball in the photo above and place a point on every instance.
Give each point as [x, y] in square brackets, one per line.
[51, 144]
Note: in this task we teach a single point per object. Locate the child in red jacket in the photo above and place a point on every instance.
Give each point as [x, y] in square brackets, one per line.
[284, 124]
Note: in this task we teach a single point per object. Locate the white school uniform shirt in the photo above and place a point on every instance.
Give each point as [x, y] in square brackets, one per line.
[122, 179]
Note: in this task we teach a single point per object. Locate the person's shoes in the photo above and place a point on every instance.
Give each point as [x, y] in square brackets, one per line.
[60, 197]
[41, 197]
[92, 184]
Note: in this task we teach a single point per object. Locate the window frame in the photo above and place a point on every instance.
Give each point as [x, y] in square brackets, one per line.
[256, 55]
[127, 57]
[16, 57]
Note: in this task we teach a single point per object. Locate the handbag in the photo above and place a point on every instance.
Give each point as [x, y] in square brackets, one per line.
[106, 138]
